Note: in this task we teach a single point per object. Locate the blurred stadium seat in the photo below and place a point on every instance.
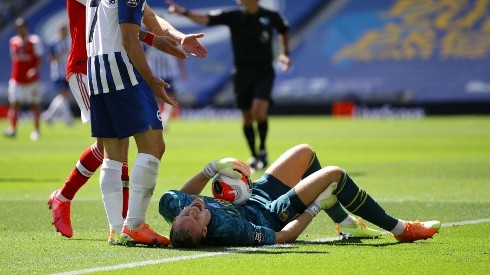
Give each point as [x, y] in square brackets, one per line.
[370, 53]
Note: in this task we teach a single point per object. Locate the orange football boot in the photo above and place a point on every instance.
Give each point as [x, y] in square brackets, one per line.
[418, 231]
[143, 235]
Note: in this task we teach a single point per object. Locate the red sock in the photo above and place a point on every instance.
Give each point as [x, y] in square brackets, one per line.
[87, 164]
[125, 181]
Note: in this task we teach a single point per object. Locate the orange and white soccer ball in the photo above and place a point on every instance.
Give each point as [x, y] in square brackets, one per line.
[232, 190]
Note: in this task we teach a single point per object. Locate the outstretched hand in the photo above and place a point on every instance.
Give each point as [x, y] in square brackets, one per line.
[169, 46]
[229, 167]
[193, 46]
[174, 8]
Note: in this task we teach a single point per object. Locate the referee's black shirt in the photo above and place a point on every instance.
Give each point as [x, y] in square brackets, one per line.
[251, 34]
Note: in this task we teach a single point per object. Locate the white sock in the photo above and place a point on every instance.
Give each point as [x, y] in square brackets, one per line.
[62, 198]
[142, 183]
[53, 107]
[399, 228]
[111, 188]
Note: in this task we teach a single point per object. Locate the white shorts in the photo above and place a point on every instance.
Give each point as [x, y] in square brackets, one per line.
[24, 93]
[79, 88]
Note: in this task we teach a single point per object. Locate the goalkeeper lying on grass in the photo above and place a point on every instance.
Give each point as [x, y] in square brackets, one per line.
[293, 190]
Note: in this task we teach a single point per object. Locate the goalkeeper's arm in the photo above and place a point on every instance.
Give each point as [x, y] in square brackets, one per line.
[196, 184]
[293, 229]
[225, 166]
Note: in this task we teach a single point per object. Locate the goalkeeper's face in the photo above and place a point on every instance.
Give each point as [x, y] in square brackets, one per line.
[194, 219]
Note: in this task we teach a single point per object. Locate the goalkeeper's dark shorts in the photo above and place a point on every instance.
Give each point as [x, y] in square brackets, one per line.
[281, 201]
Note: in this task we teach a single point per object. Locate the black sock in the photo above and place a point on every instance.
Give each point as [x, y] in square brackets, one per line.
[250, 137]
[358, 202]
[314, 166]
[337, 213]
[262, 128]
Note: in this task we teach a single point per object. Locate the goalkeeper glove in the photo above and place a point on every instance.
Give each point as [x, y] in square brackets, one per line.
[324, 201]
[227, 167]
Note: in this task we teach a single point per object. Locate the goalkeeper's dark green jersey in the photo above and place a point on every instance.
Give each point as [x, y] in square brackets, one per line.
[271, 206]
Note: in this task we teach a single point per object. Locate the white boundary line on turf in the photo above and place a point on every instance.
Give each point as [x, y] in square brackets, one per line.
[449, 224]
[237, 250]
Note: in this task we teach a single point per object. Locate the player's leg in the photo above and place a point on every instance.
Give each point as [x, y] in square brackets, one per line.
[33, 97]
[56, 106]
[60, 200]
[53, 109]
[143, 177]
[115, 152]
[285, 165]
[243, 89]
[150, 150]
[287, 185]
[260, 109]
[125, 187]
[249, 133]
[143, 180]
[65, 109]
[36, 115]
[358, 202]
[14, 97]
[291, 166]
[88, 162]
[91, 158]
[104, 109]
[114, 185]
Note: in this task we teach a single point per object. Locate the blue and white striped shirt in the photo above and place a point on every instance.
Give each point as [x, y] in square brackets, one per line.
[109, 67]
[59, 50]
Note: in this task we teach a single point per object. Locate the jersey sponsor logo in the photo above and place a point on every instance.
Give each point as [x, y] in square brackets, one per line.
[132, 3]
[283, 215]
[258, 236]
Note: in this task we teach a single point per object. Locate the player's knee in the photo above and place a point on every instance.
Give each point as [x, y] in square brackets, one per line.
[335, 172]
[305, 149]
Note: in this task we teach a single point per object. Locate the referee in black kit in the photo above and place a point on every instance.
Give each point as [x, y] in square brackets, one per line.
[252, 29]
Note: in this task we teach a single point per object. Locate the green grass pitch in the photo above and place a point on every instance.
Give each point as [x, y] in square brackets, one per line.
[431, 168]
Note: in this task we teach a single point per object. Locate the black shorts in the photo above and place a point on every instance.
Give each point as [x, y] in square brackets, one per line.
[253, 82]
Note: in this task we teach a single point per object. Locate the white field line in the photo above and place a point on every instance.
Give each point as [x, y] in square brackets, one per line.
[234, 251]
